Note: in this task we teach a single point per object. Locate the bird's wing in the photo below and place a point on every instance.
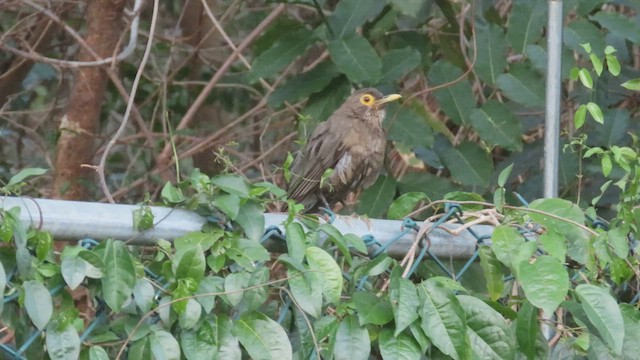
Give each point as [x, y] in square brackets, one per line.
[322, 151]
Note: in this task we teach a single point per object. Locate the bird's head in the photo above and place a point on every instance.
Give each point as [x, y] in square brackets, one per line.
[370, 103]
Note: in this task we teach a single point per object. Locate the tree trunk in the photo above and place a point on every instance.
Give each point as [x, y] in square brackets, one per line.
[81, 119]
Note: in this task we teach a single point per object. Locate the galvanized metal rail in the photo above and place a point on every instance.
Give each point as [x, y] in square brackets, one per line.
[75, 220]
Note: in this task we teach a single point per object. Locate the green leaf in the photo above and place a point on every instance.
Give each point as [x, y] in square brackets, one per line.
[525, 24]
[461, 196]
[140, 349]
[209, 285]
[351, 14]
[545, 282]
[288, 46]
[506, 241]
[404, 301]
[497, 125]
[321, 105]
[580, 116]
[577, 239]
[37, 303]
[621, 25]
[585, 78]
[607, 165]
[633, 84]
[251, 219]
[228, 347]
[597, 64]
[142, 218]
[527, 329]
[191, 314]
[602, 310]
[631, 343]
[492, 53]
[489, 334]
[301, 86]
[62, 343]
[98, 353]
[375, 200]
[189, 262]
[23, 174]
[504, 175]
[522, 85]
[409, 127]
[263, 338]
[456, 100]
[469, 164]
[328, 271]
[229, 204]
[574, 73]
[443, 320]
[164, 345]
[199, 344]
[296, 242]
[587, 48]
[372, 309]
[492, 270]
[119, 274]
[3, 285]
[73, 269]
[352, 340]
[554, 244]
[398, 63]
[306, 289]
[498, 199]
[613, 65]
[580, 32]
[377, 265]
[171, 194]
[143, 295]
[356, 58]
[618, 242]
[398, 347]
[595, 112]
[408, 7]
[337, 238]
[235, 285]
[247, 253]
[232, 184]
[404, 205]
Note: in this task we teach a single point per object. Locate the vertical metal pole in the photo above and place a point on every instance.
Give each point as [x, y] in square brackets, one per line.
[552, 113]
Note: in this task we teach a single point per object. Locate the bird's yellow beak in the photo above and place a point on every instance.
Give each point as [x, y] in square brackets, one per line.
[388, 98]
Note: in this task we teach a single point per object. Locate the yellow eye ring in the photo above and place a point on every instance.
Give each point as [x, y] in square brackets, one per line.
[367, 100]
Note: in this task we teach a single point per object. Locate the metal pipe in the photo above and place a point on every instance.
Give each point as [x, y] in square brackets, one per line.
[75, 220]
[552, 116]
[552, 113]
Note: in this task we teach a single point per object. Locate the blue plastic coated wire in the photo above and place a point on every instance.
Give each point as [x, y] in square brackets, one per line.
[88, 243]
[521, 199]
[28, 342]
[11, 351]
[425, 249]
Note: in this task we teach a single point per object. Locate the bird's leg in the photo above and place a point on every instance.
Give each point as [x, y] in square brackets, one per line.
[324, 201]
[329, 215]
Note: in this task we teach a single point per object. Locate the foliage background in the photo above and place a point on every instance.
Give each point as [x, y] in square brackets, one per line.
[233, 85]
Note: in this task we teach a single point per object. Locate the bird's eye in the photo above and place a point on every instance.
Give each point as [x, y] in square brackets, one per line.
[366, 100]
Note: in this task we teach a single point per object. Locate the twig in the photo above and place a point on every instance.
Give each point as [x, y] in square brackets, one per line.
[191, 112]
[126, 52]
[127, 113]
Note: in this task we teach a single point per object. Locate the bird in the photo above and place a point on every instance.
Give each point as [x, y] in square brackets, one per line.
[351, 143]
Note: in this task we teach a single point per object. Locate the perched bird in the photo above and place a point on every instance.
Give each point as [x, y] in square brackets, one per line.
[351, 143]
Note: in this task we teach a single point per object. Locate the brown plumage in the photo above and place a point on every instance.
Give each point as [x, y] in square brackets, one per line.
[351, 142]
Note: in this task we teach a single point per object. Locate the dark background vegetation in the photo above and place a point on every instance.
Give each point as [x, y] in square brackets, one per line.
[471, 73]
